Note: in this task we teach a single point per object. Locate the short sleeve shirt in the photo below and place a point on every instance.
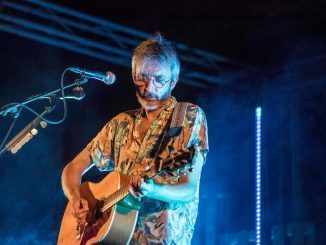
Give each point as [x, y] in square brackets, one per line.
[118, 147]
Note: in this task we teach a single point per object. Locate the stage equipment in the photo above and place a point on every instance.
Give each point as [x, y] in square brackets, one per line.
[14, 109]
[101, 39]
[258, 176]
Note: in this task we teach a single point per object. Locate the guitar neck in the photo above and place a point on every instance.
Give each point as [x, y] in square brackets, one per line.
[170, 164]
[115, 198]
[118, 195]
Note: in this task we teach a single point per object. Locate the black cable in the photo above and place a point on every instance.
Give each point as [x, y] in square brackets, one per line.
[63, 100]
[2, 150]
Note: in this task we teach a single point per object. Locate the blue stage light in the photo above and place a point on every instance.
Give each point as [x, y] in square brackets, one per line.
[258, 175]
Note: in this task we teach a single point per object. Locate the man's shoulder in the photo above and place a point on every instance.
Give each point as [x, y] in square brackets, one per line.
[193, 114]
[191, 109]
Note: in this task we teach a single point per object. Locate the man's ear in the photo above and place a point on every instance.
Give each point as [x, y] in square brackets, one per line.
[174, 82]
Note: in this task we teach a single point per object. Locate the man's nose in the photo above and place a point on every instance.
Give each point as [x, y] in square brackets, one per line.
[150, 87]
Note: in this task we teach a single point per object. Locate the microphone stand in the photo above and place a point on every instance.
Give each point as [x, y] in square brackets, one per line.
[27, 133]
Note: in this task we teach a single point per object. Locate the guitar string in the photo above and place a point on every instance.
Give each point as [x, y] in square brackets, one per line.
[114, 198]
[123, 192]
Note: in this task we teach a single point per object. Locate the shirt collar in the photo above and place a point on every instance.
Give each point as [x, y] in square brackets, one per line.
[170, 104]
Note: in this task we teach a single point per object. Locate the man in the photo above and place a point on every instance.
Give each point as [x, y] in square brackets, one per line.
[134, 139]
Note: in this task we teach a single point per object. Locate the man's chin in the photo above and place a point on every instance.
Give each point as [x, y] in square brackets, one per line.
[151, 107]
[147, 104]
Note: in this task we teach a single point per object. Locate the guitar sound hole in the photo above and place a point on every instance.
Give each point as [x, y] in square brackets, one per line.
[97, 221]
[98, 214]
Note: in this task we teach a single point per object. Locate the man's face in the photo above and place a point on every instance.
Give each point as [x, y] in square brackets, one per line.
[153, 82]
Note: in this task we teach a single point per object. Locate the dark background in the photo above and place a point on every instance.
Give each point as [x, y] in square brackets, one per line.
[283, 40]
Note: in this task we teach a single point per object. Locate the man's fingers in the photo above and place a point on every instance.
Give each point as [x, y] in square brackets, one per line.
[139, 182]
[80, 212]
[131, 191]
[136, 194]
[84, 204]
[80, 218]
[136, 181]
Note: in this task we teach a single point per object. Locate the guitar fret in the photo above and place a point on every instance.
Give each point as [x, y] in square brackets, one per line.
[114, 198]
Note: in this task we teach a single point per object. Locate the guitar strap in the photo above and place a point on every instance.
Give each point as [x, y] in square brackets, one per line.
[178, 119]
[174, 129]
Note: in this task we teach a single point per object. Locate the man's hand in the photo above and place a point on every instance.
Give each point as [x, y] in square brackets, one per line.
[139, 188]
[79, 209]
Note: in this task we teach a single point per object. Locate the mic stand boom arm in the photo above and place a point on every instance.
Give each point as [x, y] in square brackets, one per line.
[13, 107]
[27, 133]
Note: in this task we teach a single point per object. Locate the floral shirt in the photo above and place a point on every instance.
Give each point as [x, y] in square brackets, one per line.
[118, 147]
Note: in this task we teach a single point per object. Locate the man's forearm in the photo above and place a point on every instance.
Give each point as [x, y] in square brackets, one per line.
[71, 182]
[185, 190]
[178, 193]
[71, 174]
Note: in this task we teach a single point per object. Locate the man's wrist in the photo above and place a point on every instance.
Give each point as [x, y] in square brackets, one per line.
[74, 195]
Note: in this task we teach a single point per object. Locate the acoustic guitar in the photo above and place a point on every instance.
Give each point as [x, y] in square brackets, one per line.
[113, 213]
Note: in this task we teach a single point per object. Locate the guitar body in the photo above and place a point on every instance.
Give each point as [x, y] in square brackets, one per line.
[115, 226]
[113, 212]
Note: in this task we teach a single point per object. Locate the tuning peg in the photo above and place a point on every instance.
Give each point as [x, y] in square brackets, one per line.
[16, 148]
[13, 150]
[34, 131]
[26, 138]
[43, 124]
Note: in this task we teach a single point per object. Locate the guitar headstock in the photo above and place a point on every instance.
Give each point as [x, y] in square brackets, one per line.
[180, 160]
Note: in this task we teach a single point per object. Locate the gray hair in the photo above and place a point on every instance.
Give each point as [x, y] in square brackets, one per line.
[159, 49]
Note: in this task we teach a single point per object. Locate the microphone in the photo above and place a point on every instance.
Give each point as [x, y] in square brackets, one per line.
[108, 78]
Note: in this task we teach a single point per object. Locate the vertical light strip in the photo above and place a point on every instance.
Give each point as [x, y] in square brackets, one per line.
[258, 175]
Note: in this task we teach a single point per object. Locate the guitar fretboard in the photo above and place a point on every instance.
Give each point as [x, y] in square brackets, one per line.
[115, 198]
[170, 164]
